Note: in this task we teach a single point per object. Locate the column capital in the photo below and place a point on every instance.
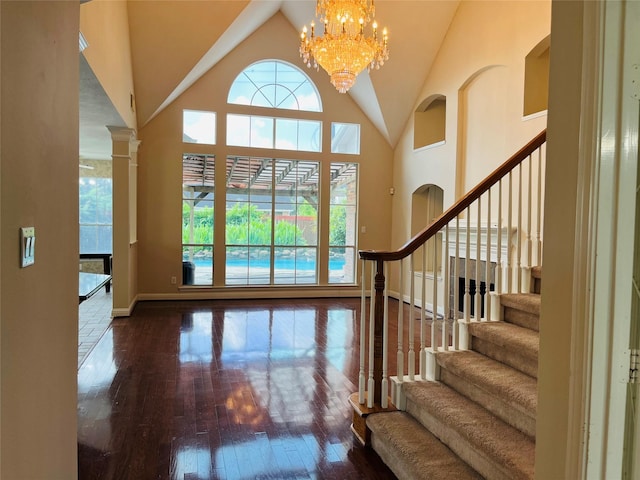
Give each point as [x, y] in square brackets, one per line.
[122, 134]
[134, 145]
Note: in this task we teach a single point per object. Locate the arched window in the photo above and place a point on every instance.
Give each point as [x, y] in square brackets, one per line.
[275, 84]
[271, 225]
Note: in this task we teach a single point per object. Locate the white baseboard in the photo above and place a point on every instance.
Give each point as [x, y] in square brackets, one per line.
[227, 293]
[125, 312]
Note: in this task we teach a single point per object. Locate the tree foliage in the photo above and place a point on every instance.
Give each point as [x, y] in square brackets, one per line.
[338, 225]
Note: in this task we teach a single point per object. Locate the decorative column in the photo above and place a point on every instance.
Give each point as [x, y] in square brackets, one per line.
[125, 264]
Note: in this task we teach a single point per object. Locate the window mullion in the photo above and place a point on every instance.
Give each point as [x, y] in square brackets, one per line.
[273, 222]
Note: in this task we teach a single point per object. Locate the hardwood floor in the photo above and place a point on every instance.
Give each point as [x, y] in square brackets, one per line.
[253, 389]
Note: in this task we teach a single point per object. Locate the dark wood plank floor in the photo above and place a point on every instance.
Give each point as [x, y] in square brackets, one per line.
[214, 390]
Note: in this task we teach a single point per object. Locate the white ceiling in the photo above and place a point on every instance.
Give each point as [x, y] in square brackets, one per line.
[416, 30]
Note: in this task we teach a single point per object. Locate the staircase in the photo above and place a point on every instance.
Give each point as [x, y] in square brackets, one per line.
[478, 420]
[463, 380]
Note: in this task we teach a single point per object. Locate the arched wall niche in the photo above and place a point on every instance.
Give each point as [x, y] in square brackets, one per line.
[536, 78]
[429, 121]
[426, 206]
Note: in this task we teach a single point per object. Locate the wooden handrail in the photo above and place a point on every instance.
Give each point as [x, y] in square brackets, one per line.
[458, 207]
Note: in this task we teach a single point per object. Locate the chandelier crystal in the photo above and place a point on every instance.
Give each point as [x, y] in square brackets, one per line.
[344, 51]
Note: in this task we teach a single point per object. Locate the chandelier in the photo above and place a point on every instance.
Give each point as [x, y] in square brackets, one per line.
[344, 50]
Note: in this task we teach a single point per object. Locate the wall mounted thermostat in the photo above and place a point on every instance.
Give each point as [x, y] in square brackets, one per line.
[27, 246]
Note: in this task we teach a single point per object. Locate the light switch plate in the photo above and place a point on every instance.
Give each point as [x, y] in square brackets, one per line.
[27, 246]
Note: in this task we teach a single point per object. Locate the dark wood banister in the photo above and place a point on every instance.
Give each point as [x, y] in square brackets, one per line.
[458, 207]
[381, 256]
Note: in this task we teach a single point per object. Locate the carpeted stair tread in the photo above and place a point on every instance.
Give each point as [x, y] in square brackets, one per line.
[526, 302]
[490, 446]
[507, 393]
[507, 343]
[523, 340]
[412, 452]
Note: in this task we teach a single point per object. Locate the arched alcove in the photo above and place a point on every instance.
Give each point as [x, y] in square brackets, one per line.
[536, 78]
[429, 121]
[426, 206]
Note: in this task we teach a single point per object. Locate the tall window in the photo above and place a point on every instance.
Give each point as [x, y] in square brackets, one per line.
[197, 219]
[96, 224]
[271, 211]
[271, 221]
[343, 210]
[198, 127]
[345, 138]
[270, 132]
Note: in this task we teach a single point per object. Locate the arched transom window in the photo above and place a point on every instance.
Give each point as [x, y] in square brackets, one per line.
[275, 84]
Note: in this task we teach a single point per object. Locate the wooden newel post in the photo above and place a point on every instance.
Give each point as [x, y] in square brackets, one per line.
[378, 332]
[361, 411]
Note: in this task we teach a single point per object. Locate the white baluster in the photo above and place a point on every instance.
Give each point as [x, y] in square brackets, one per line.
[509, 230]
[539, 211]
[434, 302]
[525, 272]
[487, 263]
[519, 233]
[499, 288]
[456, 288]
[400, 355]
[372, 307]
[423, 320]
[363, 334]
[445, 290]
[384, 386]
[478, 298]
[529, 209]
[467, 270]
[412, 296]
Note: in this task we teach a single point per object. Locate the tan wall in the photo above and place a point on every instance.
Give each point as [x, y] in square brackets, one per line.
[480, 71]
[39, 187]
[160, 156]
[105, 25]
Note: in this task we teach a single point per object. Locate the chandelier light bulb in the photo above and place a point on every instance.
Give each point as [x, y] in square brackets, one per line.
[344, 50]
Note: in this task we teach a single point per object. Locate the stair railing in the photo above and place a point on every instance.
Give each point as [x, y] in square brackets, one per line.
[454, 271]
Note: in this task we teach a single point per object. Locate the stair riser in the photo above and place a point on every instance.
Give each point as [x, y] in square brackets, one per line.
[468, 452]
[523, 421]
[537, 285]
[521, 318]
[506, 355]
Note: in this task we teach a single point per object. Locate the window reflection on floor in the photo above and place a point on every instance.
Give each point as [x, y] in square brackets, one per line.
[235, 389]
[195, 337]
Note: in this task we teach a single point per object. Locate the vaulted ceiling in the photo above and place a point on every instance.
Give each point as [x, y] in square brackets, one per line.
[179, 41]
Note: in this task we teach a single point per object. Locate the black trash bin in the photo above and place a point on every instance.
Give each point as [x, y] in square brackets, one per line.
[188, 273]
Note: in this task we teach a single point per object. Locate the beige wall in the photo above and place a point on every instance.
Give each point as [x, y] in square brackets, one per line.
[39, 187]
[105, 25]
[480, 71]
[160, 156]
[168, 38]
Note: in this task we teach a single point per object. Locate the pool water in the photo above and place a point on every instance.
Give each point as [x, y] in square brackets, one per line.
[280, 263]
